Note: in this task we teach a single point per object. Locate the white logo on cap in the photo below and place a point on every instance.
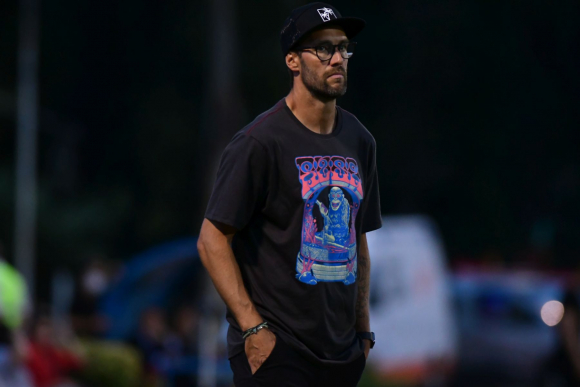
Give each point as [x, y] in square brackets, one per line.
[325, 14]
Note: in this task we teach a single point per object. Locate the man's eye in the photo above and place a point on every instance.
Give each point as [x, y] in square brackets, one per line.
[323, 49]
[343, 47]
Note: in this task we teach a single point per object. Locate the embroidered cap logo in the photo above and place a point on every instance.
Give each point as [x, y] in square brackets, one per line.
[325, 14]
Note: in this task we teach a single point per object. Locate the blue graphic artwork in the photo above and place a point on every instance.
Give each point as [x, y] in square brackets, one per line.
[332, 192]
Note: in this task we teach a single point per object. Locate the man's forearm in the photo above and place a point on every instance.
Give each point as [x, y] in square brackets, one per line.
[568, 329]
[363, 282]
[218, 258]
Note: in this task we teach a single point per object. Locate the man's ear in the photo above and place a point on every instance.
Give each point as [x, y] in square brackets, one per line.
[293, 61]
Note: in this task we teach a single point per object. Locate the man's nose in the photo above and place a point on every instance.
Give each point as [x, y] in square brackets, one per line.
[336, 58]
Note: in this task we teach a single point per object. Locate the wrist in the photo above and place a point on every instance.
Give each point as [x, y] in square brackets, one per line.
[362, 322]
[254, 330]
[370, 336]
[362, 327]
[249, 320]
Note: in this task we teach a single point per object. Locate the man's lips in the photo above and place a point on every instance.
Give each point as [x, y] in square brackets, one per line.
[336, 76]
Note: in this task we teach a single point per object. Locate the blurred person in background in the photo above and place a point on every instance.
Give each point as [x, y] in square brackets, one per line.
[106, 362]
[169, 352]
[181, 347]
[150, 340]
[13, 351]
[93, 282]
[284, 236]
[186, 328]
[14, 307]
[50, 362]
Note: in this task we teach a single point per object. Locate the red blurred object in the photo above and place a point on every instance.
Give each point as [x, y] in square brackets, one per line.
[50, 365]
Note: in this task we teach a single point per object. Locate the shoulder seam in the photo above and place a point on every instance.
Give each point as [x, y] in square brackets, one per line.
[259, 142]
[263, 118]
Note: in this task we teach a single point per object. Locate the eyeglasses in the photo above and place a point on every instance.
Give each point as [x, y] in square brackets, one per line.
[325, 51]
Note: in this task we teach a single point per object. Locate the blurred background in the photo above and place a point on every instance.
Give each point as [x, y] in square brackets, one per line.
[113, 116]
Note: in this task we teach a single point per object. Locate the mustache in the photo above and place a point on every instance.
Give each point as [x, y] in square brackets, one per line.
[338, 72]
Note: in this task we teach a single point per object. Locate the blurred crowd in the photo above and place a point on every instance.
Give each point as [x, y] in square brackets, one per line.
[41, 348]
[68, 343]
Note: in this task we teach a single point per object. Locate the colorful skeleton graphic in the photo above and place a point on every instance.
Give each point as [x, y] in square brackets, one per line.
[332, 192]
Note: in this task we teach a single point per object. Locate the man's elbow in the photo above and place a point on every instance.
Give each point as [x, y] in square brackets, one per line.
[202, 247]
[212, 240]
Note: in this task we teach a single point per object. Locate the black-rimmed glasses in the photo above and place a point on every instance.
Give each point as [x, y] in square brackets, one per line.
[325, 51]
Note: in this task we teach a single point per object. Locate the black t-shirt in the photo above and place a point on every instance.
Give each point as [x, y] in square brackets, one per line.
[300, 201]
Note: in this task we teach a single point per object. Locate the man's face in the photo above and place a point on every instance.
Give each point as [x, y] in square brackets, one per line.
[326, 80]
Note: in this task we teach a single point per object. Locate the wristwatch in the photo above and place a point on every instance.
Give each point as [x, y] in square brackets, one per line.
[370, 336]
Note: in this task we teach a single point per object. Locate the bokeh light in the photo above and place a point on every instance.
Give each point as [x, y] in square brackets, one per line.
[552, 313]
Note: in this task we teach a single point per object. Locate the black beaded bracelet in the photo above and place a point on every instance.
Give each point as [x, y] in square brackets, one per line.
[254, 330]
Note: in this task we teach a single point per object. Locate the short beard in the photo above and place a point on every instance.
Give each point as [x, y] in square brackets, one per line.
[318, 87]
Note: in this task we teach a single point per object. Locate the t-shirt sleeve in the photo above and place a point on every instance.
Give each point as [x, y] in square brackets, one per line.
[371, 206]
[240, 188]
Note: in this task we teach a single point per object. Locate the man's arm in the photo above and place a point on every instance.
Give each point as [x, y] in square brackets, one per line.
[218, 258]
[569, 337]
[363, 277]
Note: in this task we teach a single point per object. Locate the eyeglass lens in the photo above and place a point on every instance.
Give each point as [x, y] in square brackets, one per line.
[325, 52]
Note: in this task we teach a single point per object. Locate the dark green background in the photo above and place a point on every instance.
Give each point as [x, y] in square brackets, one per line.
[474, 105]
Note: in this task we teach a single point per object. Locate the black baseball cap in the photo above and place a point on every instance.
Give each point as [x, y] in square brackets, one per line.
[310, 17]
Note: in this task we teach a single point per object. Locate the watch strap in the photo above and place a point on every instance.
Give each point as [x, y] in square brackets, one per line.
[367, 336]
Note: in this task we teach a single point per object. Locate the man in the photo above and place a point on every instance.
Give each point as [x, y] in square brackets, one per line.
[284, 235]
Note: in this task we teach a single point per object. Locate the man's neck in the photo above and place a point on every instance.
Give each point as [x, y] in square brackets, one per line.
[313, 113]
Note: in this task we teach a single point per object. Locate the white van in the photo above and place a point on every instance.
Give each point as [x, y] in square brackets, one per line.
[411, 308]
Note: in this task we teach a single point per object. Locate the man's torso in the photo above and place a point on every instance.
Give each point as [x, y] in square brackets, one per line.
[297, 249]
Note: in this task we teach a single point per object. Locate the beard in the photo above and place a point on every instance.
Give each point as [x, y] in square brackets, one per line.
[319, 87]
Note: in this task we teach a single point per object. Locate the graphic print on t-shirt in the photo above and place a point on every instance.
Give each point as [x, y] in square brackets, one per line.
[332, 192]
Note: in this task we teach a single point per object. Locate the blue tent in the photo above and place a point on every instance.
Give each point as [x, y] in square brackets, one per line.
[151, 278]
